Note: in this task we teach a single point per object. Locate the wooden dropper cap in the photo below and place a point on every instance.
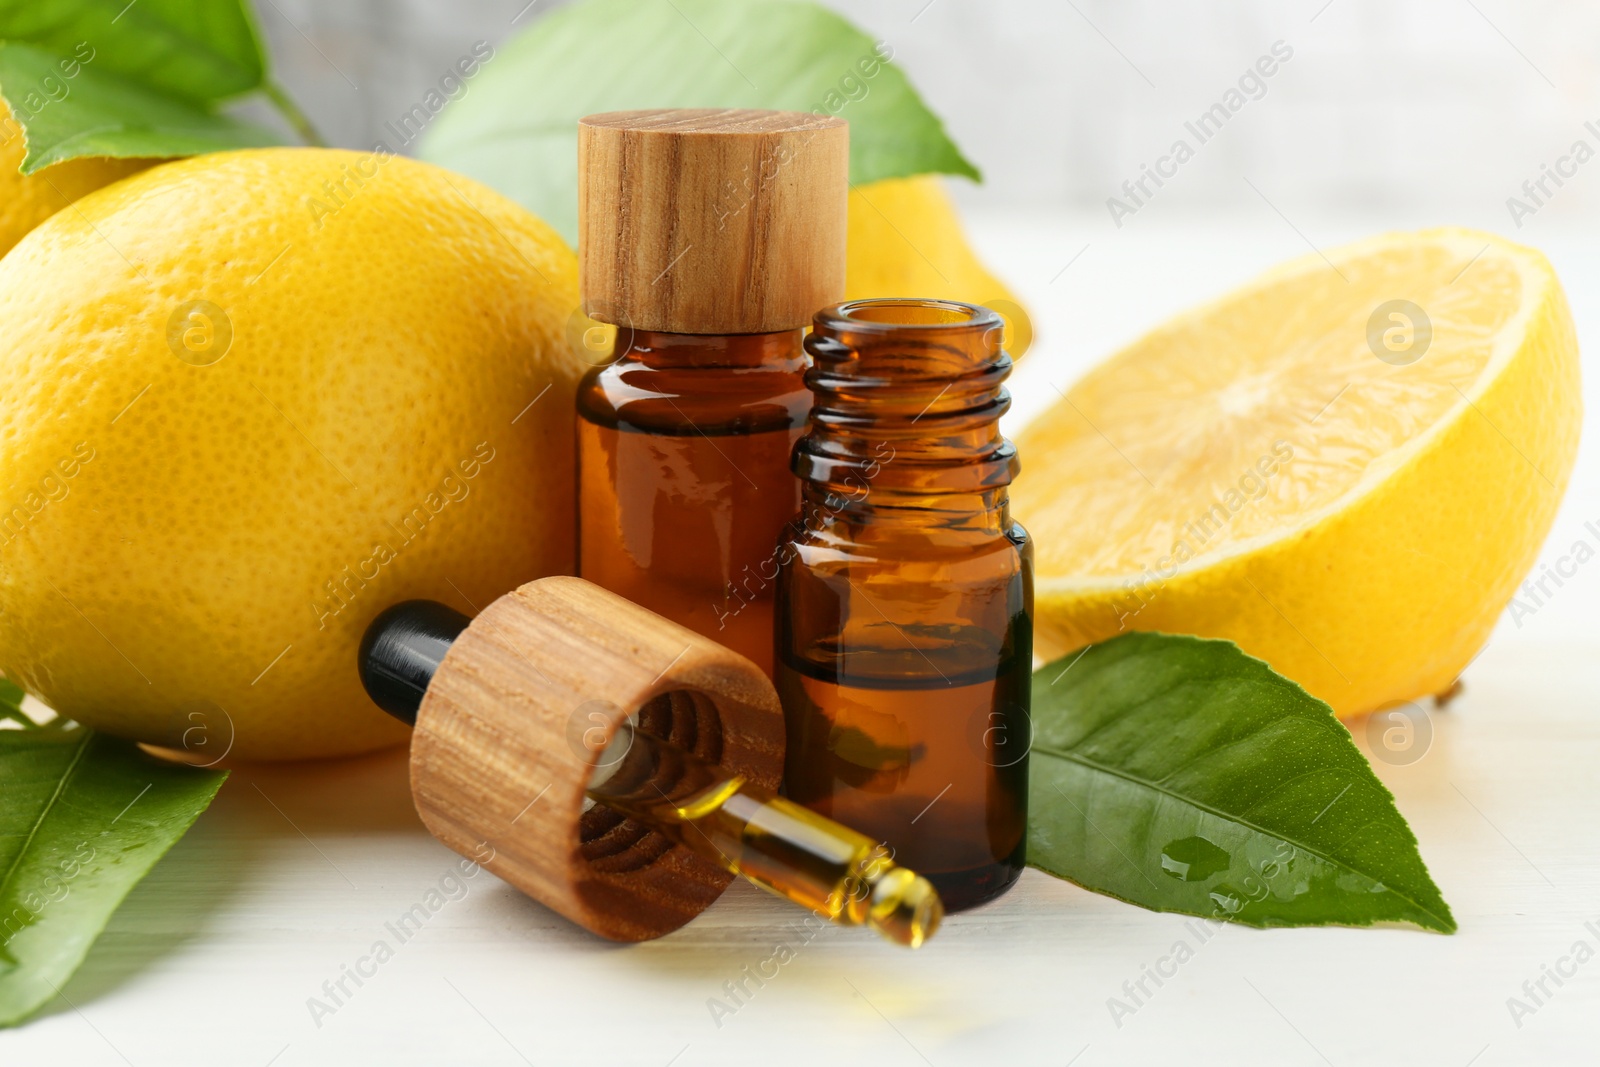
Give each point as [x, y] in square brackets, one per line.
[711, 221]
[511, 720]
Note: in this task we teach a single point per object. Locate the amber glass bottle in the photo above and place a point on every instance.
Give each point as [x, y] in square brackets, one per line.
[683, 478]
[905, 594]
[709, 238]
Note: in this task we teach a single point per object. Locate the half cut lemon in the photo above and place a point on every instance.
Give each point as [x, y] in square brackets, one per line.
[1345, 467]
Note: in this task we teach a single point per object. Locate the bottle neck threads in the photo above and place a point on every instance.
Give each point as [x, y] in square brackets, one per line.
[908, 396]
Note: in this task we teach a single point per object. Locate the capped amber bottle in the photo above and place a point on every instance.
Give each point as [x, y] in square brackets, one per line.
[709, 237]
[904, 640]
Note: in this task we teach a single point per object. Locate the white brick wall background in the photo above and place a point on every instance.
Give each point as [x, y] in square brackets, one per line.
[1420, 110]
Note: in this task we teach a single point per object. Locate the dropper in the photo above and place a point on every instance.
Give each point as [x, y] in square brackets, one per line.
[788, 850]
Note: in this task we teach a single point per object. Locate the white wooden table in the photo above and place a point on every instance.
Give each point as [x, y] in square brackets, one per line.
[295, 872]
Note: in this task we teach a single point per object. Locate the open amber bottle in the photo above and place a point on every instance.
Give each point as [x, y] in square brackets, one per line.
[709, 237]
[904, 637]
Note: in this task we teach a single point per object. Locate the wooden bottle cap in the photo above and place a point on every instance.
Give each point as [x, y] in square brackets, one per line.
[711, 221]
[500, 760]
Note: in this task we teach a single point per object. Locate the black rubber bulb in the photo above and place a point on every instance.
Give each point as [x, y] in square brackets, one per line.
[402, 649]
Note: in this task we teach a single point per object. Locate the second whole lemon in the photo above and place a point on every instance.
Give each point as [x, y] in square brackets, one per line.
[28, 199]
[906, 239]
[254, 398]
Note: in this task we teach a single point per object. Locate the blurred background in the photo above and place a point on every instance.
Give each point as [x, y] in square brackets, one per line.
[1387, 114]
[1434, 109]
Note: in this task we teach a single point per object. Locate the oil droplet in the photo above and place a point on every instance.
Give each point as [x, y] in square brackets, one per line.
[1193, 859]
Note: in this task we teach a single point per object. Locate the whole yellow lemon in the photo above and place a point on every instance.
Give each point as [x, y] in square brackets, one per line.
[27, 200]
[906, 240]
[252, 399]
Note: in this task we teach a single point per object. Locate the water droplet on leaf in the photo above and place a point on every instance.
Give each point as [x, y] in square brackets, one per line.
[1227, 899]
[1193, 859]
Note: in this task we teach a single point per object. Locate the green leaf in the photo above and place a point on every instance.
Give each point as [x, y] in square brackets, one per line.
[196, 50]
[515, 126]
[1182, 775]
[83, 817]
[11, 706]
[98, 113]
